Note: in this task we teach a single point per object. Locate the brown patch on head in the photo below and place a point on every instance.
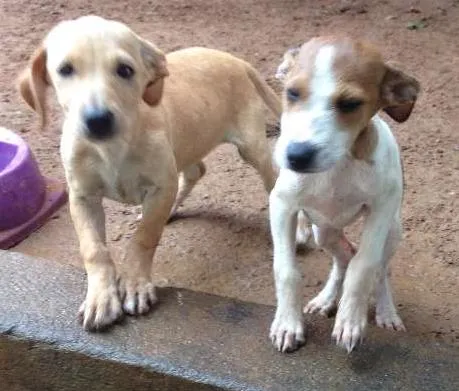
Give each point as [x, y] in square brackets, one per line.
[359, 70]
[364, 84]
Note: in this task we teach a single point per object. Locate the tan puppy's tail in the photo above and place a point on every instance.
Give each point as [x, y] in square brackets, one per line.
[265, 91]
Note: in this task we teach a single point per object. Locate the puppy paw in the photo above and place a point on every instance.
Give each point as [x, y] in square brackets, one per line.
[390, 320]
[321, 304]
[287, 333]
[101, 308]
[350, 324]
[138, 295]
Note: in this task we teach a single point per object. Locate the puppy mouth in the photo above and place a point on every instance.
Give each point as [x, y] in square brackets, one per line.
[100, 135]
[314, 169]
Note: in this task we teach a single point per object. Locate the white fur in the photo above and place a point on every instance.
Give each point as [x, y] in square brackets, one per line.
[343, 190]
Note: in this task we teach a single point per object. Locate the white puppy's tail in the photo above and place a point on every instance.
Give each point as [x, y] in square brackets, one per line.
[265, 91]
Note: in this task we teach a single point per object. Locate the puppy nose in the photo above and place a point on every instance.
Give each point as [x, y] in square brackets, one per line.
[99, 122]
[301, 156]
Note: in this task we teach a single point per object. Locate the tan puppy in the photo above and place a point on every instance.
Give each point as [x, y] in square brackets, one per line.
[135, 136]
[339, 160]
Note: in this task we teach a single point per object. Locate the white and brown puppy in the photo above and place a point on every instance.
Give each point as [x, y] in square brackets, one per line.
[134, 135]
[339, 160]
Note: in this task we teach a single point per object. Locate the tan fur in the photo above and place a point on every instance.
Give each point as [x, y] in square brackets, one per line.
[33, 82]
[168, 117]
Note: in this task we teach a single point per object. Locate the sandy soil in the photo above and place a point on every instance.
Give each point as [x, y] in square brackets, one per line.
[222, 243]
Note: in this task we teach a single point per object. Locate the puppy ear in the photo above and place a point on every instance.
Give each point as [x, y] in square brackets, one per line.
[32, 84]
[398, 94]
[156, 64]
[288, 61]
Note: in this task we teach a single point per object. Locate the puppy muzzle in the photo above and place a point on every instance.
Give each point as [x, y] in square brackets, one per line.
[99, 122]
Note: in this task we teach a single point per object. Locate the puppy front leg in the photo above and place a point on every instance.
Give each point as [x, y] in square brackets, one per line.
[136, 287]
[287, 329]
[102, 305]
[362, 274]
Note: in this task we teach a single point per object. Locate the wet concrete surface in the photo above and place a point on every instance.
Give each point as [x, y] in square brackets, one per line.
[192, 341]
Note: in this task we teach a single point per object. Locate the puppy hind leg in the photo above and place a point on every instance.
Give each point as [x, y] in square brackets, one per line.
[250, 139]
[258, 156]
[187, 180]
[386, 313]
[335, 242]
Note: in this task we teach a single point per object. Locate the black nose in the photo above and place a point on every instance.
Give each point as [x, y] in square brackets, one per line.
[99, 122]
[301, 156]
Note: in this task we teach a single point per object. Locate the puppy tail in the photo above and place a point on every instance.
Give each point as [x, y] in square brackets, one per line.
[265, 91]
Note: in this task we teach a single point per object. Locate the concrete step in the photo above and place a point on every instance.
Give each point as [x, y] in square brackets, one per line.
[192, 341]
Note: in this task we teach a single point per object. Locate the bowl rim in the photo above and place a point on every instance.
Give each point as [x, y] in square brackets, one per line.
[22, 151]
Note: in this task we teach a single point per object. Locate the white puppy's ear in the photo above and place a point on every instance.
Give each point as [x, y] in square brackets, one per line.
[32, 84]
[399, 93]
[156, 64]
[288, 61]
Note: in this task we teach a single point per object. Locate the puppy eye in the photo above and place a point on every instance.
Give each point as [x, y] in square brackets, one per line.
[66, 70]
[293, 94]
[125, 71]
[348, 105]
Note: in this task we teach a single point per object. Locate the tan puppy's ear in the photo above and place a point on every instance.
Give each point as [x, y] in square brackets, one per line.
[32, 84]
[398, 94]
[287, 63]
[156, 64]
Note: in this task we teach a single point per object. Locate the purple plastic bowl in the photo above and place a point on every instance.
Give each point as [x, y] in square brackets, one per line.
[22, 188]
[27, 199]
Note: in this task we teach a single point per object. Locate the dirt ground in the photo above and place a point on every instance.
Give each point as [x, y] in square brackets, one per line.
[222, 243]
